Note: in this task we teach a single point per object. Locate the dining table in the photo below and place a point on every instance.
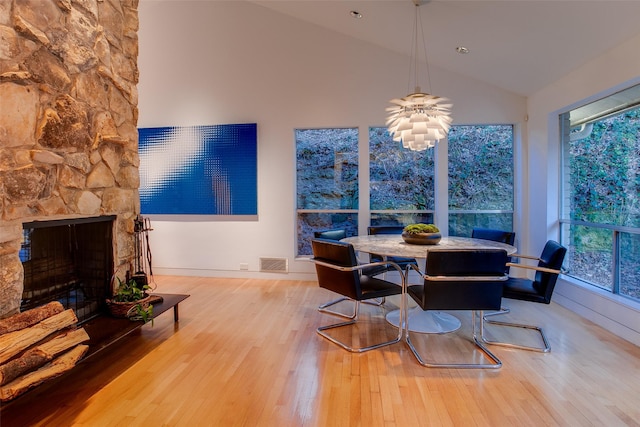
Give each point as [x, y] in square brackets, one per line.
[392, 245]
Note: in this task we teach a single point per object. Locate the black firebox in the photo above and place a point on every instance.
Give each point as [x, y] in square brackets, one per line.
[70, 261]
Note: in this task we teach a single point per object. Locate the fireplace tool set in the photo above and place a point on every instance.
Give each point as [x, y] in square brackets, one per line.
[142, 259]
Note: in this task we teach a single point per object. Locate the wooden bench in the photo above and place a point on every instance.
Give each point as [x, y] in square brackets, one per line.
[105, 330]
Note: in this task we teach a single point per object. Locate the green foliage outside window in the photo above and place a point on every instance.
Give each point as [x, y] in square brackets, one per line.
[481, 167]
[603, 187]
[480, 178]
[399, 179]
[326, 182]
[402, 183]
[327, 168]
[605, 172]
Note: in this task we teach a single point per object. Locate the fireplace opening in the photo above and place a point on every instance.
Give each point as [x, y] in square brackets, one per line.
[70, 261]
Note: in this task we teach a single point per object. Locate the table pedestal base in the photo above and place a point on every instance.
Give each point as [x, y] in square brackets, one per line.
[426, 322]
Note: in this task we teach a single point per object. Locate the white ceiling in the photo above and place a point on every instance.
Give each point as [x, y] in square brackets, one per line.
[519, 45]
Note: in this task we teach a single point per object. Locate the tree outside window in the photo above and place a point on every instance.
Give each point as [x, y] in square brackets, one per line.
[480, 178]
[326, 183]
[601, 198]
[401, 181]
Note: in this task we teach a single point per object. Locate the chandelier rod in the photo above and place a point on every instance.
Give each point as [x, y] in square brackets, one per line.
[415, 44]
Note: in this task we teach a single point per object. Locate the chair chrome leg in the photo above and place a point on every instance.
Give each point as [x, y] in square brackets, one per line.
[376, 301]
[496, 363]
[324, 307]
[545, 349]
[347, 347]
[503, 310]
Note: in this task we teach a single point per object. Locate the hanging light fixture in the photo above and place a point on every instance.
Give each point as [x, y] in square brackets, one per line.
[419, 119]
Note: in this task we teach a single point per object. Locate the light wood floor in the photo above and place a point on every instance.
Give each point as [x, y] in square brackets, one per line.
[245, 353]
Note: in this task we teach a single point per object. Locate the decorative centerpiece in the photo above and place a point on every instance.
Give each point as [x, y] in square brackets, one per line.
[131, 301]
[421, 234]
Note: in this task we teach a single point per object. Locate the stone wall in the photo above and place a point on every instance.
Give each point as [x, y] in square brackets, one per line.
[68, 122]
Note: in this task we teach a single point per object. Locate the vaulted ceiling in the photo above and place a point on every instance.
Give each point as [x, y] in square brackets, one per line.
[518, 45]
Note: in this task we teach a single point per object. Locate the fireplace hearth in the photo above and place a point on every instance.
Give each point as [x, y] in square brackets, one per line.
[70, 261]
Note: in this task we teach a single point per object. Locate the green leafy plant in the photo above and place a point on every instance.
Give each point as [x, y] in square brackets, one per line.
[143, 314]
[129, 291]
[421, 228]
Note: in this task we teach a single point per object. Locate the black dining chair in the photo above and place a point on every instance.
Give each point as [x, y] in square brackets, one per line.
[508, 237]
[403, 262]
[332, 234]
[463, 279]
[539, 289]
[501, 236]
[338, 271]
[339, 234]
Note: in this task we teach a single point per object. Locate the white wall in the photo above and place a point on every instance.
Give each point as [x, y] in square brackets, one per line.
[615, 70]
[206, 63]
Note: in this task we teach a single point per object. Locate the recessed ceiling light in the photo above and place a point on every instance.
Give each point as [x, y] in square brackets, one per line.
[461, 49]
[355, 14]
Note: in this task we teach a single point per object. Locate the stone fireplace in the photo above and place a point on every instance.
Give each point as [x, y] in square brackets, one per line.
[70, 261]
[68, 127]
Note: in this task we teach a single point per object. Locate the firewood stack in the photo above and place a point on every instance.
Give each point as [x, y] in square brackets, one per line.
[38, 345]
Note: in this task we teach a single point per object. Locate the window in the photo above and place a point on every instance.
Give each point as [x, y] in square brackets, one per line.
[401, 181]
[480, 178]
[326, 182]
[600, 215]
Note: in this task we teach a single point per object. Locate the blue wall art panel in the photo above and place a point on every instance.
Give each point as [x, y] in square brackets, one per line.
[199, 170]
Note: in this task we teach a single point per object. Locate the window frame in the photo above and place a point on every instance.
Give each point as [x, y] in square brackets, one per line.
[299, 212]
[414, 214]
[440, 212]
[483, 212]
[568, 225]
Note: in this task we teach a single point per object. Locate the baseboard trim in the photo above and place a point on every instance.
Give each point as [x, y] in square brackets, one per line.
[616, 314]
[244, 274]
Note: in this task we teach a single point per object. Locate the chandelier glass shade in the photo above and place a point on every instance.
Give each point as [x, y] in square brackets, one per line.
[419, 120]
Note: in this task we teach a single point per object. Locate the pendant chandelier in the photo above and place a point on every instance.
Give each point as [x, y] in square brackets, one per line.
[419, 119]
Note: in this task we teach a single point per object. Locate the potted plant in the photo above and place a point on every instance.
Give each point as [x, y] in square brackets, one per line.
[421, 234]
[132, 301]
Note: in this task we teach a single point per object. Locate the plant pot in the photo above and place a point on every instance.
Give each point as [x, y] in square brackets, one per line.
[127, 309]
[421, 238]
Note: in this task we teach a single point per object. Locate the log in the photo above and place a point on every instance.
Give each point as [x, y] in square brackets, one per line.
[36, 357]
[29, 318]
[49, 371]
[15, 342]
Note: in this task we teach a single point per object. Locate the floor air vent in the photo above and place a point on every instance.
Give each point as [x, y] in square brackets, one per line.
[274, 265]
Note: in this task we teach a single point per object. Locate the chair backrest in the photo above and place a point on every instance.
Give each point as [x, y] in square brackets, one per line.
[382, 229]
[508, 237]
[385, 229]
[455, 279]
[339, 254]
[336, 234]
[552, 257]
